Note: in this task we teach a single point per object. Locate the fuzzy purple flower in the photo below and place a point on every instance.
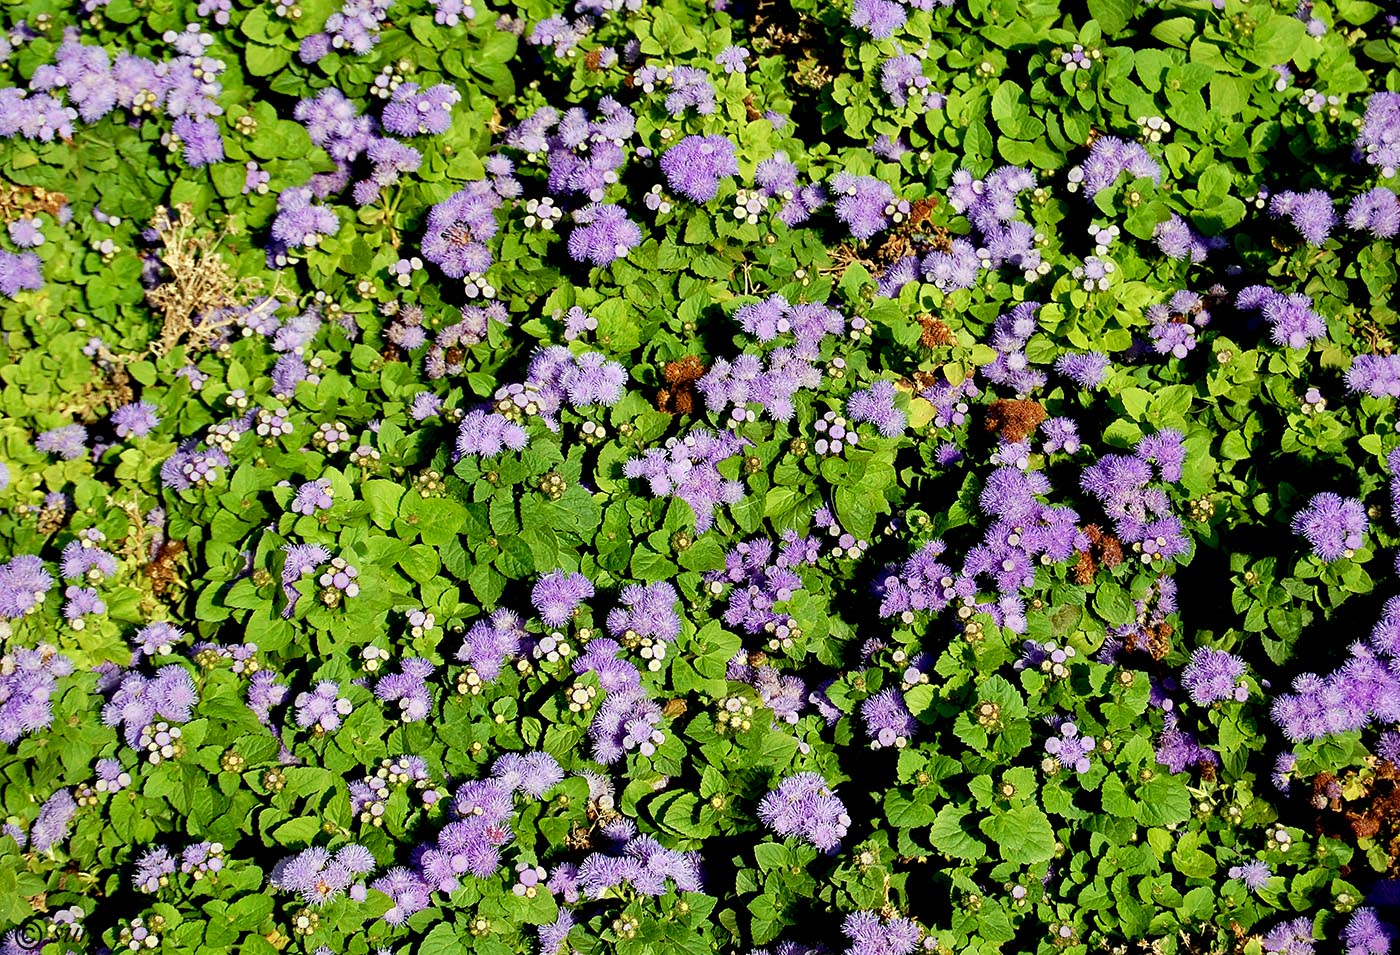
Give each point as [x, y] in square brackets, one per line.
[558, 594]
[805, 806]
[1334, 526]
[696, 164]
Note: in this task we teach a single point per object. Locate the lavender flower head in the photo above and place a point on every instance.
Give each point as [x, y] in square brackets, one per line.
[806, 807]
[558, 594]
[696, 164]
[888, 721]
[1334, 526]
[1214, 675]
[1255, 875]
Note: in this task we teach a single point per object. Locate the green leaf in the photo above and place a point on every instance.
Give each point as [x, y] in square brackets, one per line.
[949, 836]
[1022, 836]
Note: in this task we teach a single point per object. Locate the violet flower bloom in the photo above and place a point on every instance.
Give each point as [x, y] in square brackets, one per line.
[409, 688]
[558, 594]
[153, 870]
[323, 709]
[1376, 212]
[1086, 370]
[68, 442]
[876, 405]
[409, 893]
[1177, 239]
[312, 497]
[603, 234]
[458, 229]
[888, 721]
[1108, 159]
[1069, 749]
[1366, 934]
[1255, 875]
[1334, 526]
[696, 164]
[1214, 675]
[54, 821]
[490, 643]
[689, 469]
[1379, 140]
[301, 559]
[1294, 937]
[23, 584]
[865, 203]
[25, 232]
[647, 611]
[135, 420]
[27, 683]
[19, 273]
[870, 934]
[879, 18]
[486, 434]
[805, 806]
[1310, 212]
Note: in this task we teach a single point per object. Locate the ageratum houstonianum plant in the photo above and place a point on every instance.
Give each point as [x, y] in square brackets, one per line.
[708, 476]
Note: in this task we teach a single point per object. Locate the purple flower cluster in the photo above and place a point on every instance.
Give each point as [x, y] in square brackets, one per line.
[1179, 750]
[54, 821]
[353, 28]
[322, 709]
[758, 582]
[138, 700]
[585, 157]
[153, 870]
[192, 467]
[1334, 526]
[1366, 688]
[1375, 375]
[784, 694]
[490, 643]
[1011, 333]
[647, 611]
[688, 468]
[1214, 675]
[458, 229]
[776, 177]
[641, 864]
[413, 111]
[320, 877]
[1070, 749]
[1310, 212]
[23, 584]
[1174, 323]
[1366, 934]
[1254, 875]
[301, 559]
[1376, 212]
[603, 233]
[27, 679]
[408, 688]
[134, 420]
[1379, 140]
[68, 442]
[695, 166]
[1141, 513]
[472, 843]
[1086, 370]
[313, 496]
[20, 272]
[558, 594]
[1177, 239]
[876, 406]
[487, 434]
[870, 934]
[805, 806]
[1108, 159]
[1291, 317]
[888, 721]
[865, 204]
[300, 222]
[1294, 937]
